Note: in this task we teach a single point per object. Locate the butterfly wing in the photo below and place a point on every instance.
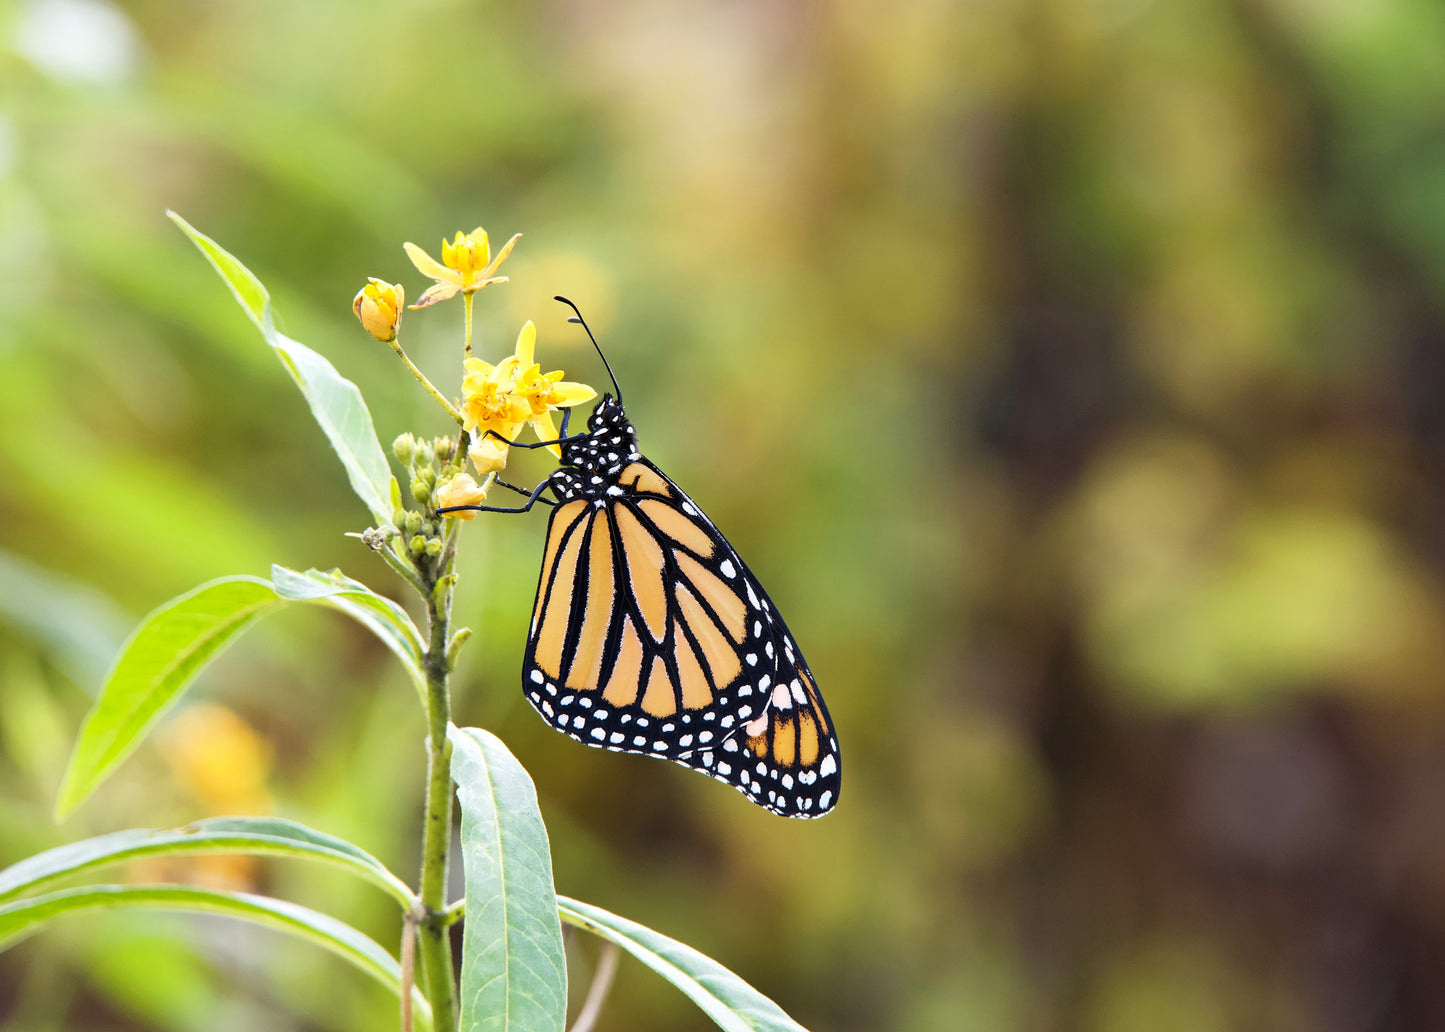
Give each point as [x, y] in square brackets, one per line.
[650, 635]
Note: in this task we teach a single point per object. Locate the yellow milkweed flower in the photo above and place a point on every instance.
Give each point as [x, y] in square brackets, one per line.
[543, 392]
[460, 490]
[467, 265]
[378, 305]
[489, 401]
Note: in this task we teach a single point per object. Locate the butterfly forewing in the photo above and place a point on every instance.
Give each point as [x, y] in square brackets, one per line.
[650, 635]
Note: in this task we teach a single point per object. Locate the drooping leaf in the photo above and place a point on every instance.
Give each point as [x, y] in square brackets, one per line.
[176, 641]
[258, 835]
[514, 973]
[722, 995]
[335, 401]
[155, 666]
[383, 617]
[22, 918]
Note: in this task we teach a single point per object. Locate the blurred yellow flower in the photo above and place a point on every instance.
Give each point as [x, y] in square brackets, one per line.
[467, 265]
[219, 759]
[461, 490]
[378, 305]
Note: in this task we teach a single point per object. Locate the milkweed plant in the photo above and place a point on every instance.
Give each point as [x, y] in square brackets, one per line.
[513, 971]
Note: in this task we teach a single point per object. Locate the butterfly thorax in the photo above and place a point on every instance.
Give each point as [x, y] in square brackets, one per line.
[591, 464]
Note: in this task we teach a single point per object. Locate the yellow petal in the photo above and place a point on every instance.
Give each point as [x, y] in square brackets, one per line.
[546, 430]
[566, 394]
[526, 344]
[429, 266]
[502, 256]
[436, 292]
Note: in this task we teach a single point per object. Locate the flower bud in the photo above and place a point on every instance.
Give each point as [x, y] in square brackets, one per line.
[434, 547]
[460, 490]
[489, 455]
[404, 447]
[420, 490]
[417, 544]
[413, 521]
[378, 305]
[445, 448]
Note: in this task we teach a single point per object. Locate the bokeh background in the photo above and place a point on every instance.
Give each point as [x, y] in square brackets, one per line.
[1070, 370]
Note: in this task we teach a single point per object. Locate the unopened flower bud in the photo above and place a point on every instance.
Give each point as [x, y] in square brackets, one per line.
[419, 490]
[488, 455]
[460, 490]
[404, 447]
[417, 544]
[434, 547]
[445, 447]
[378, 305]
[413, 521]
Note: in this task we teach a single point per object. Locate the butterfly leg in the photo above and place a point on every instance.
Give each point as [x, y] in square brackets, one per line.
[522, 491]
[536, 444]
[531, 500]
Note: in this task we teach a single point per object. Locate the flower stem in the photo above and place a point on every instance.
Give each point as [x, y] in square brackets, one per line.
[434, 943]
[467, 307]
[422, 377]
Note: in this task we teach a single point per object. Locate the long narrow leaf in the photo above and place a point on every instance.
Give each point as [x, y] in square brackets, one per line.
[514, 973]
[161, 659]
[383, 617]
[23, 918]
[260, 835]
[336, 404]
[722, 995]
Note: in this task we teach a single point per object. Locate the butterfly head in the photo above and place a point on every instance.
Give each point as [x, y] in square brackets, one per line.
[609, 444]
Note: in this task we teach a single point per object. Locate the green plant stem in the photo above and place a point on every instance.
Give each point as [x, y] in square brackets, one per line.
[467, 307]
[422, 377]
[434, 942]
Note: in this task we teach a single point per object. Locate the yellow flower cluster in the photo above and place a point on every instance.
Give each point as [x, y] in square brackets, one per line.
[497, 400]
[501, 398]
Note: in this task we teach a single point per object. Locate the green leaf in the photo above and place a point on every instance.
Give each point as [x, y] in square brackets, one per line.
[155, 666]
[25, 917]
[722, 995]
[514, 973]
[176, 641]
[261, 835]
[383, 617]
[335, 401]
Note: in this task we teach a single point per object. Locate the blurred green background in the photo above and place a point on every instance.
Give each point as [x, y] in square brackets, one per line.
[1071, 371]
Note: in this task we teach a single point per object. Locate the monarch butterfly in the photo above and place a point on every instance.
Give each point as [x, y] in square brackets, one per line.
[650, 635]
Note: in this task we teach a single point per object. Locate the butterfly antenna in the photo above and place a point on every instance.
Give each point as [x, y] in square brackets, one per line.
[583, 322]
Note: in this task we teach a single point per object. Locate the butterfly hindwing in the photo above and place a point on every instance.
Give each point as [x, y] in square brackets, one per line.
[650, 635]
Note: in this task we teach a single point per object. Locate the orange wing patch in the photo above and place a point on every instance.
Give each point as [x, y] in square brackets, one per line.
[587, 658]
[644, 481]
[659, 700]
[562, 521]
[723, 599]
[719, 655]
[554, 621]
[644, 565]
[625, 682]
[677, 526]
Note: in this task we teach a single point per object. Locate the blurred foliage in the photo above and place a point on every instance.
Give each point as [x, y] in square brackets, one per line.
[1070, 370]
